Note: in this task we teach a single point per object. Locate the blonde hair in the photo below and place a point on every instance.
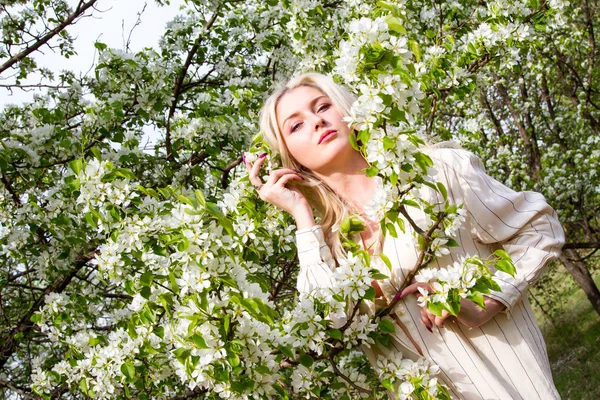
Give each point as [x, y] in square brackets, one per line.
[328, 205]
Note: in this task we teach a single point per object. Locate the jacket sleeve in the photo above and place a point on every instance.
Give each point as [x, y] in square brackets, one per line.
[522, 223]
[314, 257]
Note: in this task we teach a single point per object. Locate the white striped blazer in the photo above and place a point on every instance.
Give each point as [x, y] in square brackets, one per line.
[506, 357]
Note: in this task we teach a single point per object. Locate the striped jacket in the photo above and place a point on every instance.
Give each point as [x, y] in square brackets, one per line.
[505, 358]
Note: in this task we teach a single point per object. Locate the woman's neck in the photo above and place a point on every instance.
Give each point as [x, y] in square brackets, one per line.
[353, 186]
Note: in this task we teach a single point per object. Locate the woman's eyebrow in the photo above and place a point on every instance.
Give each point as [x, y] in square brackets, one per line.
[312, 103]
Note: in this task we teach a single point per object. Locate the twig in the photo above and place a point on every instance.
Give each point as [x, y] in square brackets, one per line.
[344, 377]
[179, 83]
[20, 391]
[349, 321]
[227, 171]
[137, 23]
[81, 9]
[420, 263]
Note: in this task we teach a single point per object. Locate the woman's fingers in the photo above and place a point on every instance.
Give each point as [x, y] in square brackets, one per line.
[439, 320]
[425, 318]
[254, 171]
[413, 288]
[428, 318]
[277, 174]
[286, 178]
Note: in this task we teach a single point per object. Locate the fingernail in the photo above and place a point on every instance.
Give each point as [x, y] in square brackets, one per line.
[263, 155]
[429, 329]
[296, 170]
[397, 296]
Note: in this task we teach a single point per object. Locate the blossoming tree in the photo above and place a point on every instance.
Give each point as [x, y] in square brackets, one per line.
[130, 271]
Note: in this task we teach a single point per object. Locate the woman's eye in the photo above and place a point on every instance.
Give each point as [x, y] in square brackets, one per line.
[324, 107]
[296, 126]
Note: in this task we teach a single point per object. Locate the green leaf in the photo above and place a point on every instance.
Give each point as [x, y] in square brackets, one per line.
[414, 46]
[423, 160]
[353, 142]
[146, 292]
[306, 360]
[502, 254]
[372, 171]
[287, 351]
[181, 354]
[335, 333]
[83, 386]
[435, 308]
[76, 165]
[159, 331]
[378, 276]
[506, 266]
[478, 299]
[91, 220]
[147, 278]
[96, 340]
[392, 229]
[395, 24]
[352, 225]
[185, 200]
[173, 281]
[370, 294]
[128, 370]
[200, 197]
[386, 261]
[442, 189]
[36, 318]
[199, 341]
[96, 153]
[452, 243]
[387, 326]
[397, 115]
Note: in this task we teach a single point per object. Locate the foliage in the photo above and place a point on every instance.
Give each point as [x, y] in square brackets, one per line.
[572, 343]
[157, 273]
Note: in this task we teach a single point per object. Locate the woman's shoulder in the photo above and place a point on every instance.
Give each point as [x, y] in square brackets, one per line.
[453, 155]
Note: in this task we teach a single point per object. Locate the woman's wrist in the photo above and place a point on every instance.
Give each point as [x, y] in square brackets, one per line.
[304, 219]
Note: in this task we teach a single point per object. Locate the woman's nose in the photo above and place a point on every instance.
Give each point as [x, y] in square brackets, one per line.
[319, 122]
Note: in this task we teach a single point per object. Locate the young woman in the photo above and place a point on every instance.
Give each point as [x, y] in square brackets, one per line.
[496, 353]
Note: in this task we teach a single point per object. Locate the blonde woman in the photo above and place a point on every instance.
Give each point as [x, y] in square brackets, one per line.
[496, 353]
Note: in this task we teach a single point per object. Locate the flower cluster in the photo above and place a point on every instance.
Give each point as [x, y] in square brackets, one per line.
[406, 378]
[467, 278]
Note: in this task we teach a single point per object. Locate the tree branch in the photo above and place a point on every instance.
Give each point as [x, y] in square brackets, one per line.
[179, 83]
[20, 391]
[227, 171]
[9, 344]
[344, 377]
[80, 10]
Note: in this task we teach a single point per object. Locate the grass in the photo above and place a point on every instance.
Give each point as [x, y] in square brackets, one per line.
[573, 343]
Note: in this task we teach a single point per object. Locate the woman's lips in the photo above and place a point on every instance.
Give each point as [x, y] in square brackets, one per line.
[326, 136]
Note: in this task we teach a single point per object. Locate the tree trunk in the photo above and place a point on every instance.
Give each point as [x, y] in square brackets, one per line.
[578, 270]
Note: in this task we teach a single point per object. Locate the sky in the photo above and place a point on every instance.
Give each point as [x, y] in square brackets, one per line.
[111, 25]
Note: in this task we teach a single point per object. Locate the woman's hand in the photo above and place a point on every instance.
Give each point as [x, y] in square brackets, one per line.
[470, 315]
[277, 192]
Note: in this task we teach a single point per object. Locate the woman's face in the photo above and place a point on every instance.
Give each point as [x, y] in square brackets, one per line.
[312, 129]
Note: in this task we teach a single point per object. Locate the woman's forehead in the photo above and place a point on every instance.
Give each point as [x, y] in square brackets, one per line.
[295, 99]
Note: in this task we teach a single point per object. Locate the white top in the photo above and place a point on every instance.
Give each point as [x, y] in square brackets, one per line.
[506, 357]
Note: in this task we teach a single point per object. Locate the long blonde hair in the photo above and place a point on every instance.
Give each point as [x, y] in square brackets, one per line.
[328, 205]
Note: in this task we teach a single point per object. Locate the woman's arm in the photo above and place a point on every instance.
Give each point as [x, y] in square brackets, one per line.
[315, 259]
[522, 223]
